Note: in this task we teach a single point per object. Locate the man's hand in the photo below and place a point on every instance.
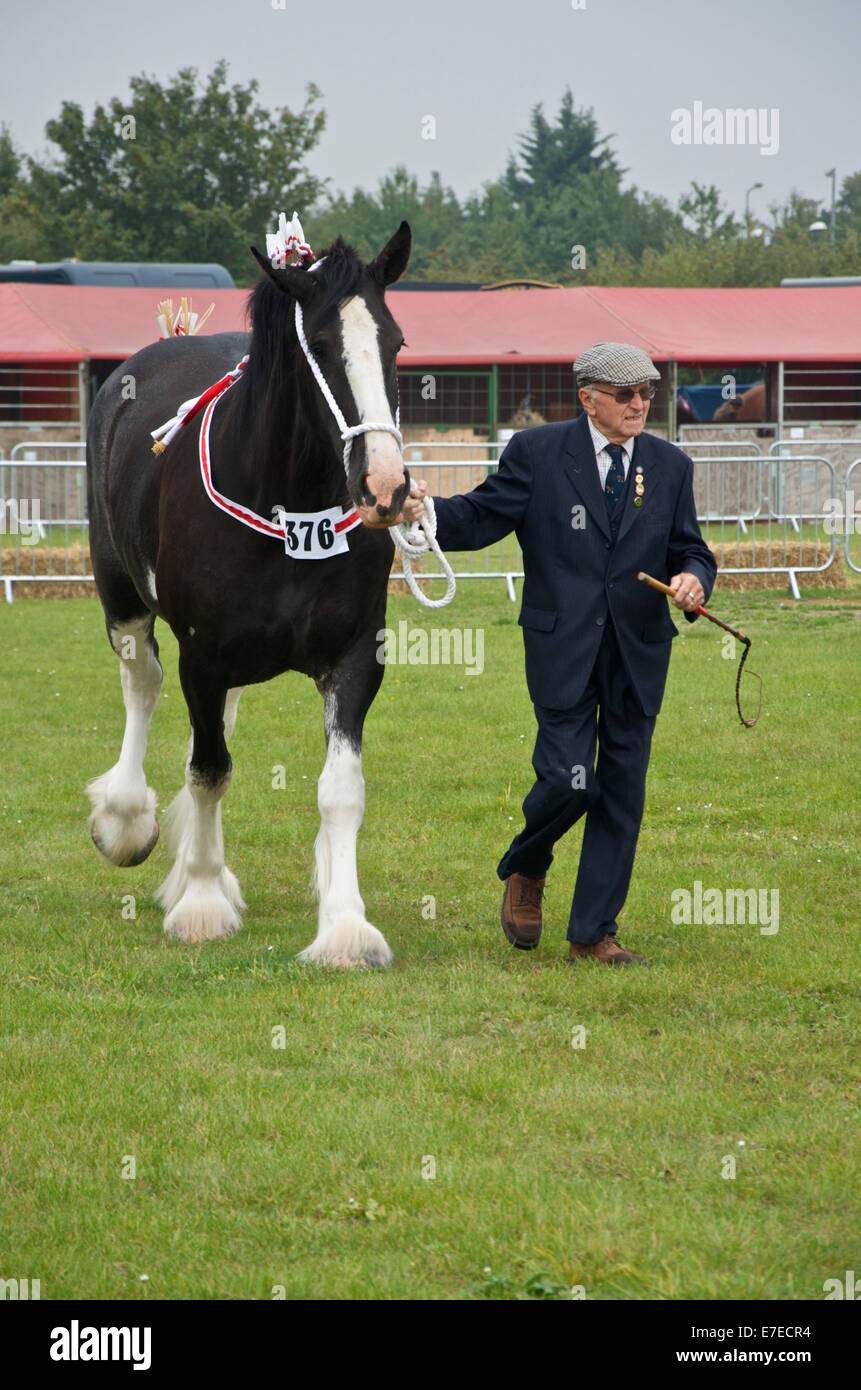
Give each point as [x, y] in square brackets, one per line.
[687, 591]
[414, 506]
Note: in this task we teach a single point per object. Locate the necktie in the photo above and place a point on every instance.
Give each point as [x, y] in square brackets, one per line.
[615, 476]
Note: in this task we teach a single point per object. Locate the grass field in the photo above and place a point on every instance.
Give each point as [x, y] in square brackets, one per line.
[431, 1131]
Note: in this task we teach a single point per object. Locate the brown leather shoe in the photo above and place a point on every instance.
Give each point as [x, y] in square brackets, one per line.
[521, 911]
[606, 950]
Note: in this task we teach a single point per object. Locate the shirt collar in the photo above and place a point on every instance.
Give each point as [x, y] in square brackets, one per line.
[600, 441]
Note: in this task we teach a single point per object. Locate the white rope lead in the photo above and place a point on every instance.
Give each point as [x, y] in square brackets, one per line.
[413, 544]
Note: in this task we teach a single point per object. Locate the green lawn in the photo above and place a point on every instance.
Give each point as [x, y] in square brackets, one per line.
[308, 1167]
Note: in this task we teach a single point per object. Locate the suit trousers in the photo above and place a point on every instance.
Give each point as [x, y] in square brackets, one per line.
[611, 792]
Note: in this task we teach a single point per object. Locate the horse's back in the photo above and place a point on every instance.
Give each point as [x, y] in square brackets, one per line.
[123, 474]
[145, 390]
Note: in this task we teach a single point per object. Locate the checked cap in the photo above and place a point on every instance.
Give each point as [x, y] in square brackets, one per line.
[619, 364]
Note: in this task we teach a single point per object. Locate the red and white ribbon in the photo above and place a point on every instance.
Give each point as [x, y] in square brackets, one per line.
[187, 411]
[289, 240]
[294, 529]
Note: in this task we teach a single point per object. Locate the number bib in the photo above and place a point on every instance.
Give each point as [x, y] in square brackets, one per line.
[315, 535]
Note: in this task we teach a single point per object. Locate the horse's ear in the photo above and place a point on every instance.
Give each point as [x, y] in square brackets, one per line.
[291, 280]
[391, 262]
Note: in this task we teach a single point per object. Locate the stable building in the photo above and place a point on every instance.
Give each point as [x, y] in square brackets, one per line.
[480, 362]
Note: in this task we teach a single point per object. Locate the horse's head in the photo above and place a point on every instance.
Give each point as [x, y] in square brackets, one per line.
[354, 341]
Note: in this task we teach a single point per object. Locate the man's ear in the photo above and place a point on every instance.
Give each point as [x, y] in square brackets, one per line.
[390, 264]
[292, 280]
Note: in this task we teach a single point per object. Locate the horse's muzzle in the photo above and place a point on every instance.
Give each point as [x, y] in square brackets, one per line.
[382, 500]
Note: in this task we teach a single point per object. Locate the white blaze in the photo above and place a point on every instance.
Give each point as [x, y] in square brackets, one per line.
[365, 374]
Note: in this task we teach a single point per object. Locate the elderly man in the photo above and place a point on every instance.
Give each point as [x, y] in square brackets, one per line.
[592, 501]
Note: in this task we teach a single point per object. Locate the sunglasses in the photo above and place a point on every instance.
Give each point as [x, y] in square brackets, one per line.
[627, 393]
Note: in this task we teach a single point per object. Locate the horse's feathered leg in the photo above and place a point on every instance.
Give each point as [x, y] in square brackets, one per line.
[200, 895]
[123, 822]
[344, 936]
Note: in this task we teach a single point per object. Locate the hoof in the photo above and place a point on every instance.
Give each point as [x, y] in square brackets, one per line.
[375, 962]
[130, 857]
[350, 943]
[118, 847]
[345, 963]
[203, 913]
[123, 821]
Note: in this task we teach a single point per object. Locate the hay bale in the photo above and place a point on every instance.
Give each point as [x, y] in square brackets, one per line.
[44, 559]
[750, 554]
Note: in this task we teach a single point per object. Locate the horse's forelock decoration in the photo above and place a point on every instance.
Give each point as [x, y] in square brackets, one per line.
[241, 610]
[287, 243]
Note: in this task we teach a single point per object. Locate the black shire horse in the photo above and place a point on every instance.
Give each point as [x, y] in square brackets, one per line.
[242, 606]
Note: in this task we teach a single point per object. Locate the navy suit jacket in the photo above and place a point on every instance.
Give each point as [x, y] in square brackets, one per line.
[548, 491]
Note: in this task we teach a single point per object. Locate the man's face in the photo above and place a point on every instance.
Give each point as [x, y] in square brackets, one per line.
[616, 422]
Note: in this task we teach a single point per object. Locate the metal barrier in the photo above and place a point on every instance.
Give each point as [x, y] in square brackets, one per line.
[842, 447]
[729, 494]
[779, 498]
[736, 445]
[40, 497]
[796, 493]
[448, 477]
[851, 519]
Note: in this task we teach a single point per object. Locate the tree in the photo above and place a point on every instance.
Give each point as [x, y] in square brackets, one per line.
[702, 207]
[180, 172]
[554, 155]
[10, 163]
[367, 220]
[848, 208]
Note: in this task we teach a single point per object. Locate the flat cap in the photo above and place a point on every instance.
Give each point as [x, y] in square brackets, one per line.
[619, 364]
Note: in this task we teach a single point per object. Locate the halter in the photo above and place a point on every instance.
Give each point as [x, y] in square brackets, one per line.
[348, 432]
[421, 536]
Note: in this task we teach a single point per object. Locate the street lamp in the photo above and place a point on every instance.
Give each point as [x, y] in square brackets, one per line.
[832, 175]
[747, 205]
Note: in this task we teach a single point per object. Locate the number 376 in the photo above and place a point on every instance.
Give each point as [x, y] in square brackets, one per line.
[325, 534]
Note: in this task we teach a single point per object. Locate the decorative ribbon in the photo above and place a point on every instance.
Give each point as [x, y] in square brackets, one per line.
[278, 528]
[167, 432]
[288, 240]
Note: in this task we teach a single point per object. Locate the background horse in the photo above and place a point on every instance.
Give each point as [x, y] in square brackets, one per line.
[242, 608]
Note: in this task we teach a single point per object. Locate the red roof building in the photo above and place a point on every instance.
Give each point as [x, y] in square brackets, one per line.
[474, 357]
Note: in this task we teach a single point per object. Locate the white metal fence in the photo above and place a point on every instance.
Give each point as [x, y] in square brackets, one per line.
[765, 514]
[762, 515]
[850, 522]
[43, 515]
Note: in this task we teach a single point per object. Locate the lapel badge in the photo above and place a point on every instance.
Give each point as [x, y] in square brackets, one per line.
[639, 488]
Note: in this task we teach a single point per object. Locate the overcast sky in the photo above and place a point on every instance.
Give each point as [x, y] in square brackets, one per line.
[478, 67]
